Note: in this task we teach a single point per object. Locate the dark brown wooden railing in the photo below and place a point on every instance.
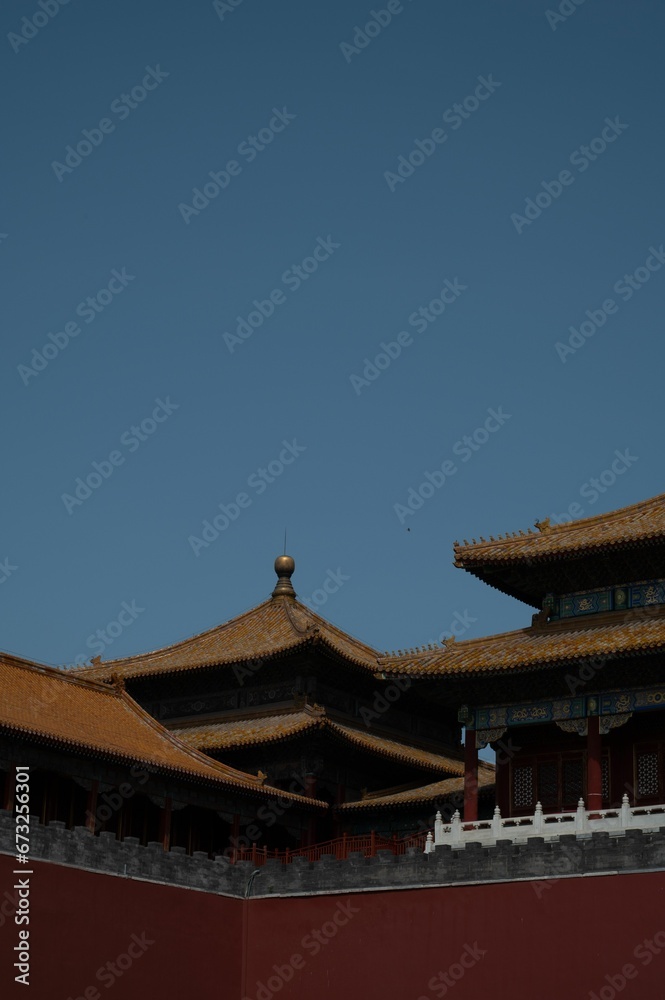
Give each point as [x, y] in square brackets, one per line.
[368, 844]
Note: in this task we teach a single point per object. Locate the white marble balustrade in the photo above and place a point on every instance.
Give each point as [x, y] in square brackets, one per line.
[582, 822]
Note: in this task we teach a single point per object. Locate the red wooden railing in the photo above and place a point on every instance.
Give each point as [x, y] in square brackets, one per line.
[366, 843]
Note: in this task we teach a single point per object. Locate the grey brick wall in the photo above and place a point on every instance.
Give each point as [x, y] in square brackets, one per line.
[568, 856]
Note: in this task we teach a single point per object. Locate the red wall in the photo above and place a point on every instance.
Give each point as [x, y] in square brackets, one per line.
[550, 941]
[79, 921]
[546, 940]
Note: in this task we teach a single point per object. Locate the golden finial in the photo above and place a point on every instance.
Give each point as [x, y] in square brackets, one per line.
[284, 567]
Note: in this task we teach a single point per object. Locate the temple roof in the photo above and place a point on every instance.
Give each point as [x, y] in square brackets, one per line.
[424, 795]
[618, 547]
[81, 716]
[625, 633]
[274, 728]
[277, 626]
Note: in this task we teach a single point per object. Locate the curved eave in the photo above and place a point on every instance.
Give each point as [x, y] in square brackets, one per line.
[447, 667]
[118, 757]
[379, 745]
[424, 796]
[131, 670]
[220, 744]
[445, 765]
[532, 598]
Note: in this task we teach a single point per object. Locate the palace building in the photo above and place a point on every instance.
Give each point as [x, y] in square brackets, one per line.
[575, 699]
[276, 756]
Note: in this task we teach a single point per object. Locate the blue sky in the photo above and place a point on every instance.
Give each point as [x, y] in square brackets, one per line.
[468, 284]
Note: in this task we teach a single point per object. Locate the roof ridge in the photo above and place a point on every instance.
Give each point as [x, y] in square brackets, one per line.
[460, 644]
[286, 603]
[568, 526]
[68, 676]
[284, 625]
[161, 730]
[326, 624]
[175, 645]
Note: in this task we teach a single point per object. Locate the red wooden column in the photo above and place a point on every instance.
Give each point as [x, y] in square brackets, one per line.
[91, 821]
[594, 779]
[470, 777]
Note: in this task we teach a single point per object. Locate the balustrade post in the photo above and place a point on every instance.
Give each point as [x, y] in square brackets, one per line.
[456, 828]
[538, 819]
[580, 818]
[438, 829]
[496, 823]
[626, 812]
[429, 844]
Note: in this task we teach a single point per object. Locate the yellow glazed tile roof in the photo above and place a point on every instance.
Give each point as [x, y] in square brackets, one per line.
[279, 625]
[640, 523]
[90, 718]
[612, 634]
[424, 795]
[268, 729]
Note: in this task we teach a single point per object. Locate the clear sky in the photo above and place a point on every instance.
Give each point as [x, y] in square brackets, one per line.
[499, 162]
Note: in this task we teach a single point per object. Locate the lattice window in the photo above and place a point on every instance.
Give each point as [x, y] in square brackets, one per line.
[647, 775]
[572, 779]
[548, 784]
[522, 787]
